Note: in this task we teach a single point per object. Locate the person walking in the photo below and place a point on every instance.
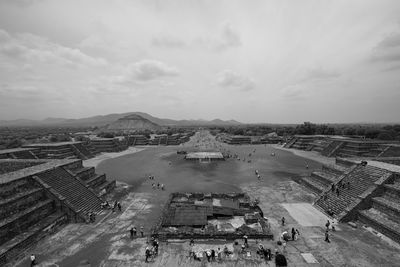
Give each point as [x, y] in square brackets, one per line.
[141, 231]
[246, 243]
[33, 260]
[327, 236]
[293, 234]
[283, 221]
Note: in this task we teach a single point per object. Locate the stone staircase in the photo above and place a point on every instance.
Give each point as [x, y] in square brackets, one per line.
[321, 181]
[384, 214]
[26, 215]
[336, 145]
[81, 151]
[82, 199]
[97, 182]
[361, 178]
[291, 142]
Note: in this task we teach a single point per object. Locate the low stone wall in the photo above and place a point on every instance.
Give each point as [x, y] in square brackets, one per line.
[11, 166]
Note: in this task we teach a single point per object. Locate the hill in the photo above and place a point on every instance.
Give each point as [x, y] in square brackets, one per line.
[131, 123]
[103, 120]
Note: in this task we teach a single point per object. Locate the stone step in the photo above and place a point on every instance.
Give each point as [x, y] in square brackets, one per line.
[10, 249]
[381, 222]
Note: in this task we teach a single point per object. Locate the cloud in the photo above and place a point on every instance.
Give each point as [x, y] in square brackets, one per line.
[35, 48]
[320, 74]
[387, 50]
[146, 70]
[229, 37]
[230, 79]
[293, 92]
[392, 40]
[167, 41]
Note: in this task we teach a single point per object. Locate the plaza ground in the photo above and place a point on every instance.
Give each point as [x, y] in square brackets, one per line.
[107, 242]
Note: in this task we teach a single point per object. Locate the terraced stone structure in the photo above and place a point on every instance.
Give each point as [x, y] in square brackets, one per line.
[109, 144]
[367, 192]
[20, 153]
[61, 150]
[211, 215]
[38, 195]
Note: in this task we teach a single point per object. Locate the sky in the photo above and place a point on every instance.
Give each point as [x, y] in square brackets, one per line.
[253, 61]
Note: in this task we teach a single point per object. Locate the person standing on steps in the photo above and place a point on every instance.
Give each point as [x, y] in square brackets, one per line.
[283, 221]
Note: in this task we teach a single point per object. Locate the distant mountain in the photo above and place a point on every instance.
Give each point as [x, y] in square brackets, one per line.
[131, 123]
[103, 120]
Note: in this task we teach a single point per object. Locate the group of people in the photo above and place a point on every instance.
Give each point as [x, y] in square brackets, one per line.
[133, 231]
[156, 185]
[257, 174]
[151, 252]
[116, 205]
[210, 254]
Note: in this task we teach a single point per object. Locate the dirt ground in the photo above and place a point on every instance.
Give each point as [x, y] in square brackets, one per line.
[107, 242]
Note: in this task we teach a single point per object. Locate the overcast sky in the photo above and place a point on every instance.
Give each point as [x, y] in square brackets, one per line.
[253, 61]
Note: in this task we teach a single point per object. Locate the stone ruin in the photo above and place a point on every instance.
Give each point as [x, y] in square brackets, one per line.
[211, 216]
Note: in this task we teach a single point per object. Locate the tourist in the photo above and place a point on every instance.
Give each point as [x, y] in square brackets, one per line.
[328, 223]
[134, 230]
[327, 236]
[147, 254]
[246, 241]
[119, 206]
[219, 253]
[293, 234]
[155, 245]
[131, 231]
[33, 260]
[283, 221]
[348, 184]
[158, 185]
[212, 255]
[191, 242]
[162, 187]
[337, 192]
[298, 232]
[208, 255]
[141, 231]
[333, 187]
[330, 212]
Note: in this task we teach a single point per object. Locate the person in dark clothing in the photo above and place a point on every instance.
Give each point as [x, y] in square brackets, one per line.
[131, 231]
[246, 241]
[283, 221]
[337, 192]
[280, 260]
[327, 236]
[293, 234]
[191, 242]
[134, 231]
[147, 254]
[119, 206]
[333, 187]
[213, 255]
